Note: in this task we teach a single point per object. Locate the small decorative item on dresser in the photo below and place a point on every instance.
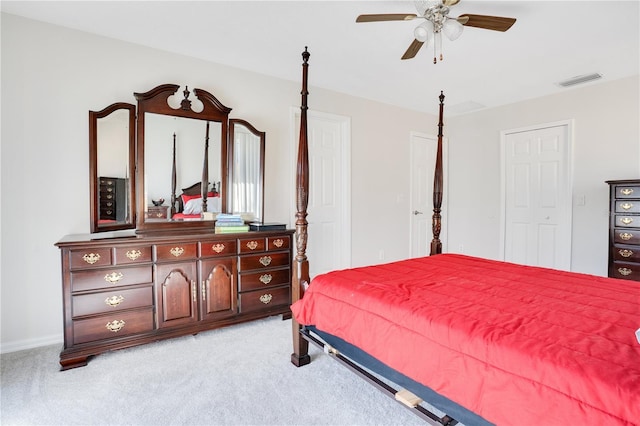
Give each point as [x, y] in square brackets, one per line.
[158, 202]
[624, 229]
[157, 212]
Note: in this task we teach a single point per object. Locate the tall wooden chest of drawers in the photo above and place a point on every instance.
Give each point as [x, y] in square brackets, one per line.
[133, 289]
[113, 201]
[624, 229]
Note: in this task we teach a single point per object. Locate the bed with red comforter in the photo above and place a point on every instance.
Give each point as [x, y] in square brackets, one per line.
[515, 344]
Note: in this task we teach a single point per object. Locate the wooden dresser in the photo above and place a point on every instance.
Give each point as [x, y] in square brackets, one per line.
[127, 289]
[624, 229]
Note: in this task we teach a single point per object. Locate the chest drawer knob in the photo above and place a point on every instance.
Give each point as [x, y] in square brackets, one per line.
[625, 271]
[252, 245]
[626, 206]
[114, 301]
[625, 253]
[626, 236]
[266, 278]
[278, 243]
[266, 298]
[115, 325]
[626, 191]
[265, 260]
[91, 258]
[218, 248]
[113, 277]
[626, 220]
[133, 254]
[177, 251]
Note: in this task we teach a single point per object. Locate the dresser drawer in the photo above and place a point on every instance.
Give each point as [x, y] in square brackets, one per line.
[264, 299]
[264, 261]
[627, 191]
[114, 325]
[626, 236]
[129, 255]
[628, 206]
[626, 253]
[90, 258]
[625, 270]
[264, 279]
[178, 251]
[627, 221]
[111, 301]
[251, 245]
[217, 248]
[109, 278]
[278, 243]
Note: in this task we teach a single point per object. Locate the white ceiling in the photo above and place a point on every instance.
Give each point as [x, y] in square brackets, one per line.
[551, 41]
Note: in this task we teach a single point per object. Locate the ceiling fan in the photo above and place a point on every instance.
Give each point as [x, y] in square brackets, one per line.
[437, 21]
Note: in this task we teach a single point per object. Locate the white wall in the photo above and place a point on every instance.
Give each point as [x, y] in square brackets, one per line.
[606, 146]
[52, 77]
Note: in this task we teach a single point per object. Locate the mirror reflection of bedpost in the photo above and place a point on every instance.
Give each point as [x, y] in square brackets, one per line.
[436, 225]
[300, 355]
[204, 188]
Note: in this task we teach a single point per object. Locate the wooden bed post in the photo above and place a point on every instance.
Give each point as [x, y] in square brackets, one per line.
[173, 178]
[436, 244]
[300, 355]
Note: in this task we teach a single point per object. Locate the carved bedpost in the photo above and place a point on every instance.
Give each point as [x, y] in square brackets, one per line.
[436, 244]
[300, 355]
[173, 178]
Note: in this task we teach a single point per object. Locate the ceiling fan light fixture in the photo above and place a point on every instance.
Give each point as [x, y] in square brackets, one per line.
[452, 29]
[423, 31]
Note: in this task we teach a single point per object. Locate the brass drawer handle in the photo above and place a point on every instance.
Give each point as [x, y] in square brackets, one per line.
[626, 236]
[278, 243]
[265, 260]
[91, 258]
[113, 277]
[626, 191]
[109, 189]
[626, 220]
[109, 196]
[204, 292]
[194, 291]
[266, 278]
[115, 325]
[252, 245]
[218, 248]
[625, 271]
[625, 253]
[109, 204]
[626, 206]
[114, 301]
[177, 251]
[133, 254]
[266, 298]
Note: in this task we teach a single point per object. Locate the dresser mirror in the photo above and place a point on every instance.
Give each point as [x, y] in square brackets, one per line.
[246, 157]
[163, 151]
[111, 167]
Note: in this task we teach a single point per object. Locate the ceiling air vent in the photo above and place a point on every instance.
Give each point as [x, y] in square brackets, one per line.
[580, 79]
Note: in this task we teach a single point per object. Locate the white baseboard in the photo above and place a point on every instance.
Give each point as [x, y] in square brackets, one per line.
[21, 345]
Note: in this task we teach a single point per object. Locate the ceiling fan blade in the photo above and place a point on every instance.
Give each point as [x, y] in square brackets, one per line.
[387, 17]
[413, 49]
[495, 23]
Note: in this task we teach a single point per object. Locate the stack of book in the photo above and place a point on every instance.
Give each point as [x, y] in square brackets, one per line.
[230, 223]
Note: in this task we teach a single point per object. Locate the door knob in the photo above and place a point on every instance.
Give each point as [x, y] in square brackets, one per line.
[416, 212]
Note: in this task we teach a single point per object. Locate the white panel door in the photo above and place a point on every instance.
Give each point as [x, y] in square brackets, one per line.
[423, 150]
[537, 197]
[329, 209]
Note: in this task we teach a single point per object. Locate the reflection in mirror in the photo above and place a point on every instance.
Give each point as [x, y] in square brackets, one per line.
[111, 147]
[174, 161]
[247, 170]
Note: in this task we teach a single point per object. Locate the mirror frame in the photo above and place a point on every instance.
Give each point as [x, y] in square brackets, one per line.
[156, 101]
[94, 187]
[262, 136]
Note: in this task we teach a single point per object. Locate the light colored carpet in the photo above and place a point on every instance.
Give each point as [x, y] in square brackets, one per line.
[239, 375]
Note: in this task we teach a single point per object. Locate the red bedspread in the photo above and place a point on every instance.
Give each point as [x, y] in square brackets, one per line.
[517, 345]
